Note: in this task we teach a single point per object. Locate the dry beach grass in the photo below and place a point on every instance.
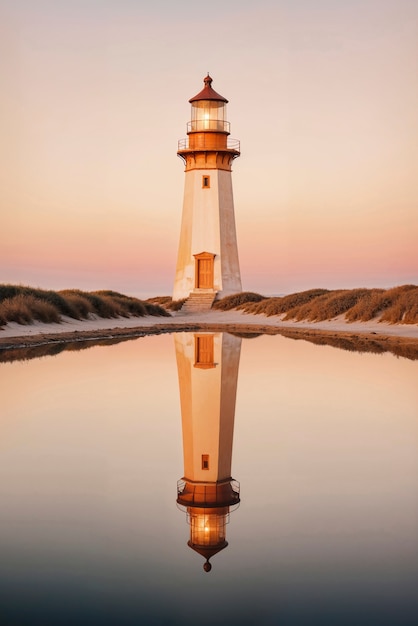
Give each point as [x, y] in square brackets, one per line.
[25, 305]
[398, 305]
[367, 320]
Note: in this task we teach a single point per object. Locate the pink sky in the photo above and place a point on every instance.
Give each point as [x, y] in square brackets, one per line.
[323, 97]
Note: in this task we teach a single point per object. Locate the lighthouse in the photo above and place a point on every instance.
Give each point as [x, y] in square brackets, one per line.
[207, 262]
[208, 372]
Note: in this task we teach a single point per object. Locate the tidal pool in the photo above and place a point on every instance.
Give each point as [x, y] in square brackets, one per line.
[291, 468]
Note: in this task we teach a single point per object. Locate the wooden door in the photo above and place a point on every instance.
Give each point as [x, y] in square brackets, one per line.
[204, 270]
[203, 351]
[205, 273]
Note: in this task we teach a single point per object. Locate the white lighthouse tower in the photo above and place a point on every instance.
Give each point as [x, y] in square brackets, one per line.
[207, 263]
[208, 374]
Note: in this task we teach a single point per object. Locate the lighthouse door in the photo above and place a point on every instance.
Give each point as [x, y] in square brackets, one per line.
[205, 274]
[204, 270]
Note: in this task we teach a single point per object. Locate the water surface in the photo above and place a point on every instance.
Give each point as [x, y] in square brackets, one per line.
[325, 447]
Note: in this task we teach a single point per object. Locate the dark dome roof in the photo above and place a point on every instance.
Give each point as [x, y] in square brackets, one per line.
[208, 93]
[207, 551]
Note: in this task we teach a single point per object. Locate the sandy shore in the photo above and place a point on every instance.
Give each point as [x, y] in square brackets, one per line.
[225, 318]
[14, 335]
[69, 325]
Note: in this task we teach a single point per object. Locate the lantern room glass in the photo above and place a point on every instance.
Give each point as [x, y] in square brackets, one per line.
[208, 529]
[208, 115]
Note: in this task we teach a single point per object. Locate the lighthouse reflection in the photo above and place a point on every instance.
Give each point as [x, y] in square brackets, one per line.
[208, 372]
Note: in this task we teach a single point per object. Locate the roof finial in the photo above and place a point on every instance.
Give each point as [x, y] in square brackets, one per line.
[207, 92]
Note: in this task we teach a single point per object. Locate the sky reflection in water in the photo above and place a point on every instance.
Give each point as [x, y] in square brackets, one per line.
[325, 449]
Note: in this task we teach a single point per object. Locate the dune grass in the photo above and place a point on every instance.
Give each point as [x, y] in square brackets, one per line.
[167, 302]
[236, 300]
[24, 309]
[398, 305]
[279, 305]
[327, 306]
[25, 305]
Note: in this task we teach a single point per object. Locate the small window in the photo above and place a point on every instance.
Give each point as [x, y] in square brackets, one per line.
[206, 182]
[205, 461]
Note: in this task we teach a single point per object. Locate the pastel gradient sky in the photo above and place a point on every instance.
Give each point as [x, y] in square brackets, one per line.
[323, 95]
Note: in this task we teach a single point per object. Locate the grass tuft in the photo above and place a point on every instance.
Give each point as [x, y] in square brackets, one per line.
[167, 303]
[401, 305]
[327, 306]
[237, 299]
[24, 309]
[81, 305]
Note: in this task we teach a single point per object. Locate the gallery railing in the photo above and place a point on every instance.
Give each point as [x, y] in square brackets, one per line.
[204, 142]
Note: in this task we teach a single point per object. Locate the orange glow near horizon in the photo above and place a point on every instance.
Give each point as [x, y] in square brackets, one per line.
[96, 99]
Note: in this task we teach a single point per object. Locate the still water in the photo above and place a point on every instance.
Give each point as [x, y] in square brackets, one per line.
[319, 525]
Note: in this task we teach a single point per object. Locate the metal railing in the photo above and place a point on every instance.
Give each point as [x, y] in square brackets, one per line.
[206, 144]
[196, 497]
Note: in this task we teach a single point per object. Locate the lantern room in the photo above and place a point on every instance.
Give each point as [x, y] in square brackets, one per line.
[207, 527]
[208, 110]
